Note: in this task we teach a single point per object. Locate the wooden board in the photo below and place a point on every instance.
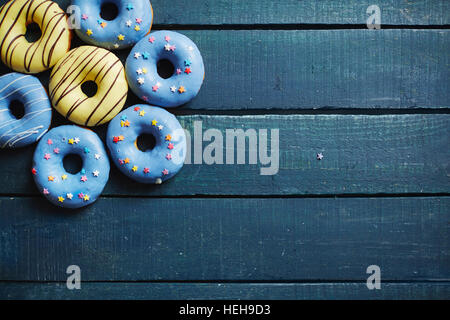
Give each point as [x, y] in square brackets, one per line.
[285, 12]
[291, 69]
[362, 155]
[125, 239]
[228, 291]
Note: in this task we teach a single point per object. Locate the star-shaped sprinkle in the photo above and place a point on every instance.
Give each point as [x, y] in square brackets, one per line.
[95, 173]
[160, 127]
[169, 156]
[146, 170]
[103, 24]
[137, 55]
[45, 191]
[142, 113]
[145, 55]
[83, 179]
[84, 17]
[141, 80]
[320, 156]
[47, 156]
[61, 199]
[34, 171]
[137, 108]
[168, 137]
[154, 122]
[145, 98]
[139, 71]
[125, 123]
[99, 21]
[187, 63]
[69, 196]
[76, 140]
[49, 141]
[144, 70]
[86, 198]
[80, 195]
[182, 89]
[116, 45]
[138, 20]
[167, 47]
[89, 32]
[173, 88]
[158, 181]
[121, 138]
[83, 171]
[167, 38]
[126, 161]
[151, 39]
[179, 71]
[155, 88]
[56, 150]
[135, 168]
[130, 6]
[121, 37]
[187, 70]
[51, 179]
[129, 23]
[64, 177]
[170, 146]
[137, 28]
[71, 141]
[124, 117]
[165, 172]
[86, 150]
[97, 156]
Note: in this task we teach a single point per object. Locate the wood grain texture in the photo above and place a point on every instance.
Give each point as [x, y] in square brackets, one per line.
[226, 239]
[250, 12]
[288, 69]
[228, 291]
[362, 155]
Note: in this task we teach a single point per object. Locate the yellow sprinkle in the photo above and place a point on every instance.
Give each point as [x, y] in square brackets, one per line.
[137, 28]
[135, 168]
[144, 70]
[64, 176]
[71, 141]
[154, 122]
[61, 199]
[121, 37]
[89, 32]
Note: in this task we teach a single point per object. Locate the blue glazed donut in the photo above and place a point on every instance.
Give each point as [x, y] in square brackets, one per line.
[16, 133]
[152, 166]
[143, 77]
[134, 21]
[54, 182]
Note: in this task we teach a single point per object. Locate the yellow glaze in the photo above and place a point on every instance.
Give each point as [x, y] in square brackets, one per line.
[88, 63]
[23, 56]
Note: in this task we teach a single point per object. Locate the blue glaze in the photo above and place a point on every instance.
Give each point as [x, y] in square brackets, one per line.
[16, 133]
[107, 36]
[163, 161]
[57, 144]
[189, 70]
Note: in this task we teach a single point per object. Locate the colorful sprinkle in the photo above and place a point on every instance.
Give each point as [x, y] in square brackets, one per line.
[97, 156]
[49, 141]
[135, 168]
[84, 17]
[167, 47]
[173, 88]
[51, 178]
[165, 172]
[56, 150]
[137, 28]
[80, 195]
[45, 191]
[187, 63]
[64, 177]
[61, 199]
[83, 179]
[142, 113]
[89, 32]
[154, 122]
[130, 7]
[86, 150]
[179, 71]
[170, 146]
[146, 170]
[168, 137]
[129, 23]
[47, 156]
[137, 55]
[33, 171]
[121, 37]
[86, 198]
[151, 39]
[138, 20]
[169, 156]
[69, 196]
[182, 89]
[95, 173]
[187, 70]
[145, 55]
[167, 38]
[141, 81]
[155, 88]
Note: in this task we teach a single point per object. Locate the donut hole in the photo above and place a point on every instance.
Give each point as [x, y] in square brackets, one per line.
[73, 163]
[165, 68]
[89, 88]
[17, 109]
[109, 11]
[146, 142]
[33, 32]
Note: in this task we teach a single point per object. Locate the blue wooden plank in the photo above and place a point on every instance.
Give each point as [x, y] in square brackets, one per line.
[363, 154]
[228, 291]
[227, 239]
[311, 69]
[225, 12]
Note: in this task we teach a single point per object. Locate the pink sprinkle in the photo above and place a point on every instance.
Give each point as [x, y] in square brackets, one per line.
[146, 170]
[172, 48]
[151, 39]
[47, 156]
[179, 71]
[84, 17]
[49, 141]
[56, 150]
[45, 191]
[169, 156]
[120, 161]
[145, 98]
[80, 195]
[138, 20]
[167, 38]
[170, 146]
[165, 172]
[84, 178]
[155, 88]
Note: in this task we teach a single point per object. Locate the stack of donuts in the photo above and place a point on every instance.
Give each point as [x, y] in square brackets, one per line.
[94, 63]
